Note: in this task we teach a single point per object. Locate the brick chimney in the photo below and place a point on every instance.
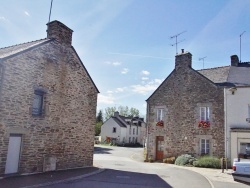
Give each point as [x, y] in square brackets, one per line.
[60, 32]
[116, 114]
[183, 60]
[234, 60]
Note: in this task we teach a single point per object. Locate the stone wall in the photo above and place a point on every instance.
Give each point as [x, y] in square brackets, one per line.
[181, 95]
[66, 128]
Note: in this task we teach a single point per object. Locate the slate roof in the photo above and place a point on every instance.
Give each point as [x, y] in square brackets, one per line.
[229, 75]
[121, 120]
[11, 50]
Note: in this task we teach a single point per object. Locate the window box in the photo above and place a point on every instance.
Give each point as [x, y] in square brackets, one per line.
[160, 123]
[204, 124]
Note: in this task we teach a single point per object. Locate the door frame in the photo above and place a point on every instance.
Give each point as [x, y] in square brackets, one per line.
[8, 162]
[159, 153]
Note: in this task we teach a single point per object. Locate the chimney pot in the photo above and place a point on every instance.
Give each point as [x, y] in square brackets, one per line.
[182, 50]
[234, 60]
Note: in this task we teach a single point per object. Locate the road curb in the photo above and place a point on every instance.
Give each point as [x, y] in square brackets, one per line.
[65, 180]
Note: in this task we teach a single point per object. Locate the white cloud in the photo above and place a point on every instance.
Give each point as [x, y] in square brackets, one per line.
[147, 87]
[144, 78]
[115, 63]
[105, 99]
[2, 18]
[26, 13]
[109, 92]
[145, 72]
[124, 71]
[119, 89]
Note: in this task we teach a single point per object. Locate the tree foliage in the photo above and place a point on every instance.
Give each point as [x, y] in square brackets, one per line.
[123, 110]
[99, 122]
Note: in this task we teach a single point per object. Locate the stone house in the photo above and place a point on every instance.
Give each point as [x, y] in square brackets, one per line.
[123, 130]
[185, 114]
[188, 112]
[47, 105]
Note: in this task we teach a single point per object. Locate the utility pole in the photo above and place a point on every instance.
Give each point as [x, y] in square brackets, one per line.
[50, 10]
[240, 43]
[176, 40]
[202, 58]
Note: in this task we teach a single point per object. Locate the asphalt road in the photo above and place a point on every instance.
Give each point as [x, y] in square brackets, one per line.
[124, 168]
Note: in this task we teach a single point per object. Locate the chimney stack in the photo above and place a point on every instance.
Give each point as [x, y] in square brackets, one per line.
[183, 60]
[234, 60]
[60, 32]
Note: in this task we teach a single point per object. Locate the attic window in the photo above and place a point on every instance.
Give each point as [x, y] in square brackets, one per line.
[114, 129]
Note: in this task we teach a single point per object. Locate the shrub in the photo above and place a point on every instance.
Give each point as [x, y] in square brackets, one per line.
[185, 159]
[208, 162]
[169, 160]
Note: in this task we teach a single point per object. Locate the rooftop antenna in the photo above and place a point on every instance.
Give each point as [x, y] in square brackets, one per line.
[50, 10]
[240, 43]
[202, 58]
[176, 41]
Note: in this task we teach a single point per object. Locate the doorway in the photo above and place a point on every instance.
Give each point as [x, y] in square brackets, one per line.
[159, 147]
[13, 154]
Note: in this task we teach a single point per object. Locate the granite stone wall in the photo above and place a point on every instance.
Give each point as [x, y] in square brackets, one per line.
[65, 130]
[181, 95]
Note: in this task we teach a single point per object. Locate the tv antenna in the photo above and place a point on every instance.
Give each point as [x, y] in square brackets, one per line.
[176, 40]
[240, 43]
[202, 58]
[50, 10]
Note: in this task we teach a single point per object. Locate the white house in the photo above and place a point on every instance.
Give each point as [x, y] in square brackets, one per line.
[123, 130]
[237, 121]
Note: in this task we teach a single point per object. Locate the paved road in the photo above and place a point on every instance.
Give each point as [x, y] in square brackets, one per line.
[125, 169]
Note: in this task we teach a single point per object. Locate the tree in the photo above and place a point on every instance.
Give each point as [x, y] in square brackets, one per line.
[123, 110]
[99, 117]
[99, 122]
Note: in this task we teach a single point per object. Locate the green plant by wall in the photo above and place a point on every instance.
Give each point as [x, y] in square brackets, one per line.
[208, 162]
[185, 160]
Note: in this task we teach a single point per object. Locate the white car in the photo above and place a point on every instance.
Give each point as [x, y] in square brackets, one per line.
[241, 168]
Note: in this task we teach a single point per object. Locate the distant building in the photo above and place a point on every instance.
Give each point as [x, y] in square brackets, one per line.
[123, 130]
[186, 113]
[47, 105]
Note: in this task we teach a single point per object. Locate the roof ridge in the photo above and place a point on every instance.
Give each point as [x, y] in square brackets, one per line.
[214, 68]
[22, 43]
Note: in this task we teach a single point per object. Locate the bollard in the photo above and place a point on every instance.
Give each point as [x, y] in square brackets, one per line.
[222, 164]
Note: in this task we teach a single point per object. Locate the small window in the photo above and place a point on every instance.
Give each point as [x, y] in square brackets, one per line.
[130, 130]
[205, 145]
[38, 103]
[204, 114]
[114, 129]
[133, 130]
[159, 116]
[129, 139]
[137, 130]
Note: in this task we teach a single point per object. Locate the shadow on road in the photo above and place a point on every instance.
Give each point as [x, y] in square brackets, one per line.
[101, 150]
[128, 179]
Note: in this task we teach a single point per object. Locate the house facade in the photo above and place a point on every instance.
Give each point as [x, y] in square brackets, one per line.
[123, 130]
[185, 114]
[47, 105]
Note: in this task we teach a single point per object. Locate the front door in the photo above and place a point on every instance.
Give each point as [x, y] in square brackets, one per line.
[13, 154]
[159, 147]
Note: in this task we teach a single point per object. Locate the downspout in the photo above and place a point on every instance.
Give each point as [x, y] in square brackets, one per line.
[147, 124]
[225, 123]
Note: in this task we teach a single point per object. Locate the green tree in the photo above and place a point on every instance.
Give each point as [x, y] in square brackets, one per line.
[99, 117]
[99, 122]
[123, 110]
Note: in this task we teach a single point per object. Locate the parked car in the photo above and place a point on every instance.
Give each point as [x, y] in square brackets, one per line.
[241, 170]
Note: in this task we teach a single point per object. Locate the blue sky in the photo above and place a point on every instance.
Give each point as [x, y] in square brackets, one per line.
[125, 44]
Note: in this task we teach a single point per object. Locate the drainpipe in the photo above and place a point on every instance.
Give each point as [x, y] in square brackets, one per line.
[225, 123]
[147, 124]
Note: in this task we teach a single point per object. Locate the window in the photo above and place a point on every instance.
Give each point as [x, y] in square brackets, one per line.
[204, 146]
[159, 113]
[129, 139]
[130, 130]
[114, 129]
[204, 114]
[133, 130]
[133, 140]
[137, 130]
[38, 103]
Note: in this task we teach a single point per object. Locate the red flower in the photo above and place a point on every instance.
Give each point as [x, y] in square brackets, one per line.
[204, 124]
[160, 123]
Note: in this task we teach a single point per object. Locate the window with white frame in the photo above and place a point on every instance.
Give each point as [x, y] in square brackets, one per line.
[137, 130]
[204, 146]
[133, 130]
[129, 139]
[159, 114]
[204, 114]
